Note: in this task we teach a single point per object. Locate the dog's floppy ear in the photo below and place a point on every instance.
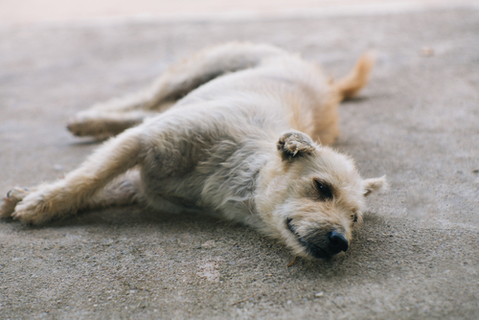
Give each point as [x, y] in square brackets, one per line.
[374, 185]
[294, 144]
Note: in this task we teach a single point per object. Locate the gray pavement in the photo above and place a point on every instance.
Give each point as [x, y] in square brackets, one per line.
[415, 257]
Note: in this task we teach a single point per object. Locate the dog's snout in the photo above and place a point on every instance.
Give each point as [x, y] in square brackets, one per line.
[321, 245]
[337, 242]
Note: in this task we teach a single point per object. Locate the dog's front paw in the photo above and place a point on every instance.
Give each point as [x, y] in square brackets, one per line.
[8, 204]
[34, 209]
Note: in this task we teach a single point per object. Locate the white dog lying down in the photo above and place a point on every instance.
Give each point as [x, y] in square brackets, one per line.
[242, 133]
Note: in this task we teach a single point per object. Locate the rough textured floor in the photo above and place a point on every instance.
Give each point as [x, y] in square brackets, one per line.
[416, 256]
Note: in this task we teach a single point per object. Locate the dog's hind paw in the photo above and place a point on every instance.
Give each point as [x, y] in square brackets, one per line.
[100, 126]
[8, 204]
[83, 127]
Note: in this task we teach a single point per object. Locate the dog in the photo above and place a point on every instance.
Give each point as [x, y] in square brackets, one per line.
[239, 130]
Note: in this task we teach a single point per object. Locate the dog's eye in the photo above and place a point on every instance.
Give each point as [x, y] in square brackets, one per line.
[324, 190]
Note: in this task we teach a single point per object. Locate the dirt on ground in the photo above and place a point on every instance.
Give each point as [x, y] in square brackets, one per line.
[415, 257]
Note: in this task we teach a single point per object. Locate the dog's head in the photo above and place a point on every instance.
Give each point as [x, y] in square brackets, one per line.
[312, 197]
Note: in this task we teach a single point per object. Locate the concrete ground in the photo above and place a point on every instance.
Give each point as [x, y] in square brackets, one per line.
[415, 257]
[28, 11]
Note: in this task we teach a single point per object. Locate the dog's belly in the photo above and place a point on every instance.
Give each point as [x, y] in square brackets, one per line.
[179, 191]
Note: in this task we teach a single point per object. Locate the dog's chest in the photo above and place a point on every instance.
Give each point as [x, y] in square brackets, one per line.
[224, 181]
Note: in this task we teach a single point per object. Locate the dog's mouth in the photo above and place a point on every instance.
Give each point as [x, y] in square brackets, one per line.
[312, 249]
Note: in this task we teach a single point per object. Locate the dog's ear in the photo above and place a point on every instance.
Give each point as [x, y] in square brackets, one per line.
[294, 144]
[374, 185]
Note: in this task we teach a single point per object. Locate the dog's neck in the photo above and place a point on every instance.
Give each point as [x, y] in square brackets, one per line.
[270, 192]
[232, 189]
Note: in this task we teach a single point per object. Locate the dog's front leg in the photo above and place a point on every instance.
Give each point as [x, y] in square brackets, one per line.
[68, 195]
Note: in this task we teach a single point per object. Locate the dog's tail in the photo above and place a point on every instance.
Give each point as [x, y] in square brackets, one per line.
[349, 86]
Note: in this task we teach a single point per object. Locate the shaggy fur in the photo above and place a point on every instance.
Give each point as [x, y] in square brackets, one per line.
[239, 130]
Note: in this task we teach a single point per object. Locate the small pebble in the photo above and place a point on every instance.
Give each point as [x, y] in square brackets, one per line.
[319, 294]
[209, 244]
[427, 51]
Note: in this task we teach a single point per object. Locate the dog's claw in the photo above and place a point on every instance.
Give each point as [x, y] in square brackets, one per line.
[10, 202]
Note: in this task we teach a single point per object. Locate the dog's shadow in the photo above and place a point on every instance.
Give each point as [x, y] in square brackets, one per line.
[364, 257]
[87, 141]
[355, 100]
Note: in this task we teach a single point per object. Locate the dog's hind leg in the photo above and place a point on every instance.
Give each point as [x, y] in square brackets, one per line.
[68, 195]
[114, 116]
[187, 75]
[126, 189]
[103, 124]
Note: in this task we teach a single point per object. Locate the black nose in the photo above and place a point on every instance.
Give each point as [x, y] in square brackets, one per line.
[337, 242]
